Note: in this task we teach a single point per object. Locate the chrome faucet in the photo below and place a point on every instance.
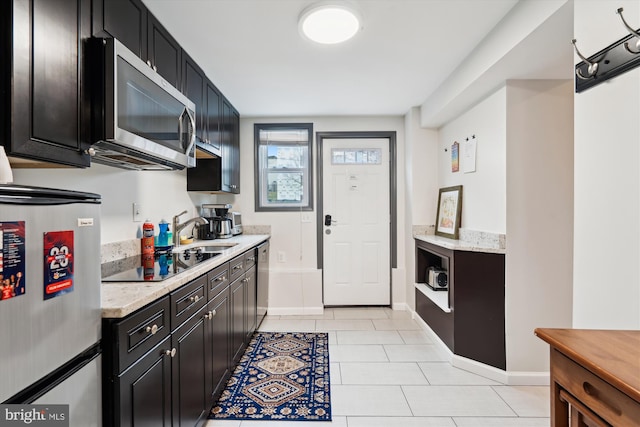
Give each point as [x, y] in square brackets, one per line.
[177, 227]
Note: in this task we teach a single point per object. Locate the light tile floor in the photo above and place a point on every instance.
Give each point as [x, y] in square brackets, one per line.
[385, 372]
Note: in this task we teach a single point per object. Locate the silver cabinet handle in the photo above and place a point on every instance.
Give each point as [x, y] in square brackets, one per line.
[195, 298]
[210, 314]
[251, 258]
[170, 353]
[151, 329]
[155, 68]
[237, 267]
[149, 62]
[213, 313]
[221, 278]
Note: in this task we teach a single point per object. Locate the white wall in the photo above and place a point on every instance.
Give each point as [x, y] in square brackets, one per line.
[539, 258]
[421, 180]
[296, 284]
[160, 194]
[606, 282]
[484, 191]
[523, 186]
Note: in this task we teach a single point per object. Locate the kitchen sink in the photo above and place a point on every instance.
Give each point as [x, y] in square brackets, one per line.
[214, 248]
[205, 248]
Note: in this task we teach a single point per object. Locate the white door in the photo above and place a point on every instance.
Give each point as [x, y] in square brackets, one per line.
[356, 249]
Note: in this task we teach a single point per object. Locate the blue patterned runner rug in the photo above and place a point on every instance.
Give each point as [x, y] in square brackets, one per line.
[282, 376]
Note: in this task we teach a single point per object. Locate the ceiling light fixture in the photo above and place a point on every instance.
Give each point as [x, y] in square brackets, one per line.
[329, 22]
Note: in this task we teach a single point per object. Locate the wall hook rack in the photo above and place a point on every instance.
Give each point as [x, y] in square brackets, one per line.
[636, 48]
[592, 67]
[612, 61]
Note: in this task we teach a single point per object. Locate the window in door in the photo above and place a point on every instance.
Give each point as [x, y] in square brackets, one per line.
[283, 166]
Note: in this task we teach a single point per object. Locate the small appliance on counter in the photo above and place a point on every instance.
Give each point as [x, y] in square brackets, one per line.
[236, 222]
[437, 279]
[220, 224]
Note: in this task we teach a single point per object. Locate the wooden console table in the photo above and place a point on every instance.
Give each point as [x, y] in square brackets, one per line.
[595, 377]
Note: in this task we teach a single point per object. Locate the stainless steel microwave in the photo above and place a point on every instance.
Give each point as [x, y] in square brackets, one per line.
[140, 121]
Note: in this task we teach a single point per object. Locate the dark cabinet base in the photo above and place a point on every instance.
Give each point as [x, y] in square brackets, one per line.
[475, 327]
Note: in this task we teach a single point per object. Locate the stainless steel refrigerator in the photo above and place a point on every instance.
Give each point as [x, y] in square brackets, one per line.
[50, 300]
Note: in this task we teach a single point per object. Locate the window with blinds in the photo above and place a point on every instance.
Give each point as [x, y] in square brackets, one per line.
[283, 166]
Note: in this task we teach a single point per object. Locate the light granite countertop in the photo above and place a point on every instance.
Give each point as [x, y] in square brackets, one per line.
[459, 245]
[119, 299]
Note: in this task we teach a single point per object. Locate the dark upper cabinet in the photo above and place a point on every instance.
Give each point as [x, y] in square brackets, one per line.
[44, 91]
[230, 148]
[208, 100]
[164, 52]
[213, 115]
[130, 22]
[193, 86]
[125, 20]
[221, 174]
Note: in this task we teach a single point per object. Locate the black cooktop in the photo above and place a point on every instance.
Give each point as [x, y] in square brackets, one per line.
[165, 265]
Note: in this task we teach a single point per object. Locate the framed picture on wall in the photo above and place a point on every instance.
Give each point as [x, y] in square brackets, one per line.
[449, 211]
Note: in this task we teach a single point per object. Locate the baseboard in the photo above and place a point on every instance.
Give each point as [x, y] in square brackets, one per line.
[473, 366]
[400, 306]
[295, 311]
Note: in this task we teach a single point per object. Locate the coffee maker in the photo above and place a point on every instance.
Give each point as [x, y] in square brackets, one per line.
[219, 226]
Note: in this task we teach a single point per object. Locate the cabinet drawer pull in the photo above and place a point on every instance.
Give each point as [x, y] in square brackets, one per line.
[151, 329]
[195, 298]
[251, 259]
[213, 313]
[210, 314]
[170, 353]
[220, 278]
[237, 267]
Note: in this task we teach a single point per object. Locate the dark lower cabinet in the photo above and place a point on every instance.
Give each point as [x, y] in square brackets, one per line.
[143, 392]
[218, 351]
[251, 302]
[188, 379]
[475, 325]
[238, 306]
[167, 363]
[44, 83]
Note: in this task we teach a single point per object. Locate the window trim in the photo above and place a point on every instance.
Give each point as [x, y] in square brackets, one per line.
[257, 173]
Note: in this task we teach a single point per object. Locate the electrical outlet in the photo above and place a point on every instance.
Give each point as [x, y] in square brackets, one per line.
[282, 257]
[137, 213]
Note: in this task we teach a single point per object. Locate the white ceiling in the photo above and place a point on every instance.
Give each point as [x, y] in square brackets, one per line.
[252, 51]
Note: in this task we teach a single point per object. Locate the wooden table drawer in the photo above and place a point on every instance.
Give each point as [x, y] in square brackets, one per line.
[187, 300]
[606, 401]
[140, 332]
[217, 278]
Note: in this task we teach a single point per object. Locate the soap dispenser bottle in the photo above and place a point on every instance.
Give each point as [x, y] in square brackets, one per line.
[163, 235]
